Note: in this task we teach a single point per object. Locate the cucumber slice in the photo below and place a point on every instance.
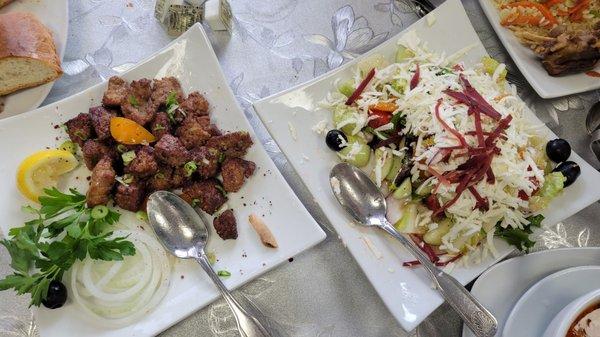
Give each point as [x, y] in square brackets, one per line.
[399, 85]
[404, 53]
[434, 236]
[346, 88]
[356, 153]
[408, 222]
[376, 61]
[345, 117]
[403, 191]
[396, 167]
[424, 189]
[387, 158]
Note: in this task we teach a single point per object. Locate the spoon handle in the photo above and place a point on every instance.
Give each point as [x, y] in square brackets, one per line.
[247, 319]
[477, 318]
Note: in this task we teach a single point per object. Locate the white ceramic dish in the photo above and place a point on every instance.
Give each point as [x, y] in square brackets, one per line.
[537, 307]
[406, 292]
[54, 14]
[530, 66]
[265, 194]
[561, 323]
[501, 286]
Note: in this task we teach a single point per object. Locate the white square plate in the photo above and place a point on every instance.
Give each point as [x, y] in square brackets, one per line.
[406, 292]
[191, 59]
[54, 14]
[530, 66]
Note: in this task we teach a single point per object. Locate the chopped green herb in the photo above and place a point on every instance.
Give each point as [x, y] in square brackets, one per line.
[172, 105]
[190, 167]
[195, 202]
[399, 121]
[68, 146]
[159, 175]
[128, 157]
[79, 134]
[142, 216]
[223, 273]
[99, 212]
[158, 127]
[221, 157]
[212, 258]
[121, 148]
[220, 188]
[133, 101]
[37, 243]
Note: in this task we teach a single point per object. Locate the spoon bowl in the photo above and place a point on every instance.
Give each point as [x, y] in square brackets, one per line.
[357, 194]
[179, 227]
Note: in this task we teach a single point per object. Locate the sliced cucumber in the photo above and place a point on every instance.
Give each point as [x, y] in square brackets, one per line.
[424, 189]
[396, 167]
[356, 153]
[399, 85]
[408, 221]
[344, 118]
[434, 236]
[404, 191]
[346, 88]
[490, 65]
[387, 159]
[403, 54]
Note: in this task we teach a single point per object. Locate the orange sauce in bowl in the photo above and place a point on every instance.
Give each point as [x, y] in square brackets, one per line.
[579, 333]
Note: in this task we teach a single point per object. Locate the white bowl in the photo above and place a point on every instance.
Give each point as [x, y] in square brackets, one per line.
[563, 320]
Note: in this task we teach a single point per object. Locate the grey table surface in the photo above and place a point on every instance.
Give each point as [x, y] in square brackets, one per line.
[277, 44]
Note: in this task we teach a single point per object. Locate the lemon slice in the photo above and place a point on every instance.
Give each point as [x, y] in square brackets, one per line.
[42, 169]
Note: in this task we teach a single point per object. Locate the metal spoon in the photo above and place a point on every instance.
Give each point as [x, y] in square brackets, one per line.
[183, 232]
[365, 202]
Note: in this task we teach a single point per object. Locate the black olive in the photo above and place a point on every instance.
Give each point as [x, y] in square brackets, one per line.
[57, 295]
[558, 150]
[570, 170]
[336, 140]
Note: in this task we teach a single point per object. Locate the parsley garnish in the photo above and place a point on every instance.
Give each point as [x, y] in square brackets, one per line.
[172, 105]
[223, 273]
[133, 101]
[520, 237]
[62, 232]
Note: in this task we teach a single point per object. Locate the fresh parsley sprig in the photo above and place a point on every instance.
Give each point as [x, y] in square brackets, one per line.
[63, 231]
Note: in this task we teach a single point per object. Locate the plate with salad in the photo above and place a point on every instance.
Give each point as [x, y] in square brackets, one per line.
[80, 170]
[468, 170]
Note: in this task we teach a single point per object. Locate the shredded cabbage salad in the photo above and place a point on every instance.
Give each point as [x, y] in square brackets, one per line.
[449, 145]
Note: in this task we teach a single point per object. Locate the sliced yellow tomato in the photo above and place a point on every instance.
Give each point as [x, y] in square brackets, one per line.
[128, 132]
[42, 169]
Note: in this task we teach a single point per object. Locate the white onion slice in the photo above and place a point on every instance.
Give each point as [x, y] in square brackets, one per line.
[101, 294]
[394, 209]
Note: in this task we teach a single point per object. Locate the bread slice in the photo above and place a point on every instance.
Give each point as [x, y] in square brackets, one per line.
[5, 2]
[27, 53]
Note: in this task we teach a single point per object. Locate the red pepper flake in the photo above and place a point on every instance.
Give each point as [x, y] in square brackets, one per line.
[592, 73]
[414, 81]
[361, 87]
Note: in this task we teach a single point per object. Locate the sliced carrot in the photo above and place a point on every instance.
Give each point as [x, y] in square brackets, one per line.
[385, 106]
[576, 13]
[528, 4]
[128, 132]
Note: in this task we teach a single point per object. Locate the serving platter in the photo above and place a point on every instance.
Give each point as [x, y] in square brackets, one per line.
[512, 278]
[54, 14]
[290, 116]
[530, 66]
[191, 59]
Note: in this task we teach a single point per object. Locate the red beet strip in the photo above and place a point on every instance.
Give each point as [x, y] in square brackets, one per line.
[425, 248]
[414, 81]
[439, 177]
[361, 87]
[482, 203]
[438, 263]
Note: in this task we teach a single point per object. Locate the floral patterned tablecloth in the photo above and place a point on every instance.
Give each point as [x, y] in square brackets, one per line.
[277, 44]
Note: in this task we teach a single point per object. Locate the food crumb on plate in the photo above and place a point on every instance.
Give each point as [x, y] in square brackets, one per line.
[391, 270]
[292, 131]
[378, 255]
[321, 127]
